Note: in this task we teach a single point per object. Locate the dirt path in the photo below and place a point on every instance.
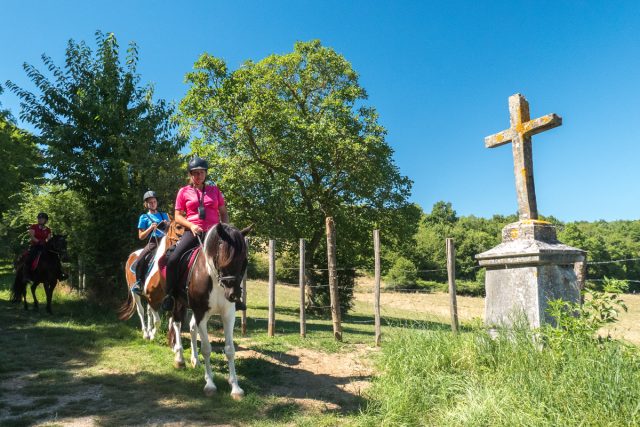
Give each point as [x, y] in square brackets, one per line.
[314, 379]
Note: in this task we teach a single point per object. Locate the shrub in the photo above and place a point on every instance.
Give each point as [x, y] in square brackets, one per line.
[401, 275]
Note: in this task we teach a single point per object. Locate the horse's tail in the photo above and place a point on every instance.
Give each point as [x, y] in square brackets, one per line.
[127, 308]
[19, 286]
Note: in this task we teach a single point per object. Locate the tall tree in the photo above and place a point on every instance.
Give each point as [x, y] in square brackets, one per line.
[20, 163]
[291, 143]
[104, 138]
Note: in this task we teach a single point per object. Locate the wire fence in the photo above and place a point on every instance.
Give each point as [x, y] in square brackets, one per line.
[398, 304]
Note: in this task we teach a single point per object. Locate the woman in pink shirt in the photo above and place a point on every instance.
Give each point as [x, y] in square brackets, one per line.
[198, 208]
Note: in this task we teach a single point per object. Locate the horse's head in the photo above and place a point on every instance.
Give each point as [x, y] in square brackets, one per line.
[175, 233]
[227, 250]
[58, 244]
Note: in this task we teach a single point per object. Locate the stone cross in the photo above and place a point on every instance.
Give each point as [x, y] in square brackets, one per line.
[519, 134]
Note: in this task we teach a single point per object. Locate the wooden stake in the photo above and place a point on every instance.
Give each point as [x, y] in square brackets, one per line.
[451, 272]
[333, 278]
[376, 289]
[272, 288]
[303, 325]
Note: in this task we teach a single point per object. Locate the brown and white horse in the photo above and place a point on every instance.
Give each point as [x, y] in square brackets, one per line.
[153, 290]
[213, 287]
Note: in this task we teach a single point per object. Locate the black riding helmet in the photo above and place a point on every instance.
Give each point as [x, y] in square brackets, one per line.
[148, 195]
[43, 215]
[197, 163]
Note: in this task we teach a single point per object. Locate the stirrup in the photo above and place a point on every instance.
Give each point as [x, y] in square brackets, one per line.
[168, 303]
[136, 289]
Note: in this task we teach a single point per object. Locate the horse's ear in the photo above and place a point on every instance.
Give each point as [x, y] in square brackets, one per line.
[222, 232]
[247, 231]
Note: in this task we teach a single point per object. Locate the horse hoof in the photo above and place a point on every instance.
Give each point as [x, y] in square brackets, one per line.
[146, 337]
[179, 365]
[195, 362]
[210, 391]
[237, 395]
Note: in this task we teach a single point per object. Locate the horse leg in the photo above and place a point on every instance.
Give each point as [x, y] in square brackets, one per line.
[205, 347]
[140, 309]
[48, 290]
[178, 361]
[34, 285]
[155, 316]
[228, 321]
[193, 329]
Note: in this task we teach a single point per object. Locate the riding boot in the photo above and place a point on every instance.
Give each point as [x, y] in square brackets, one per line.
[137, 288]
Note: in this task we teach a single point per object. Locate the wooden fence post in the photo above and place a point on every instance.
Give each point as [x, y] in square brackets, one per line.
[451, 272]
[244, 294]
[303, 325]
[272, 288]
[376, 297]
[333, 278]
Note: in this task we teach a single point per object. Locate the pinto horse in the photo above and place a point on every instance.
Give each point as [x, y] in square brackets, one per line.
[153, 291]
[213, 287]
[46, 272]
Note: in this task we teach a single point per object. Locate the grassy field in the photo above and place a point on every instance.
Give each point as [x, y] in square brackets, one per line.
[82, 366]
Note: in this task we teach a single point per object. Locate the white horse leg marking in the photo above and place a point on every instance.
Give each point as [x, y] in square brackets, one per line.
[178, 361]
[228, 321]
[145, 333]
[193, 329]
[156, 323]
[209, 387]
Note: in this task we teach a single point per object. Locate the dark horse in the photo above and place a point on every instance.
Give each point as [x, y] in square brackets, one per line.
[213, 287]
[47, 272]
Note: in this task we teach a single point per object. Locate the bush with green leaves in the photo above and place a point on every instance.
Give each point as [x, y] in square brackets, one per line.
[401, 275]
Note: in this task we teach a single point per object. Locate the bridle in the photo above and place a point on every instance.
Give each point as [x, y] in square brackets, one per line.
[221, 279]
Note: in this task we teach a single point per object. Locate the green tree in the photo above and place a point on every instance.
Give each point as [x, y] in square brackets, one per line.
[20, 162]
[291, 142]
[105, 139]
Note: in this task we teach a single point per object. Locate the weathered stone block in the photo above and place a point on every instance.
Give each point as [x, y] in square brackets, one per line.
[528, 269]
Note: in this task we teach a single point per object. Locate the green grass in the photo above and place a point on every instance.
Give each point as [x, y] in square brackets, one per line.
[83, 362]
[441, 379]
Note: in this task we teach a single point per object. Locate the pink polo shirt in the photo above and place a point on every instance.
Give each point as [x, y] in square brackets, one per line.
[188, 200]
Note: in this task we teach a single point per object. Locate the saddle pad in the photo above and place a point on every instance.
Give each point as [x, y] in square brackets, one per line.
[35, 262]
[190, 255]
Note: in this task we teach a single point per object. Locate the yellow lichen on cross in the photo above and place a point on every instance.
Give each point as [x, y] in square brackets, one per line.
[519, 134]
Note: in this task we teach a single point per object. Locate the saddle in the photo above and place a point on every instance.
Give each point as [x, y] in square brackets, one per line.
[185, 265]
[23, 259]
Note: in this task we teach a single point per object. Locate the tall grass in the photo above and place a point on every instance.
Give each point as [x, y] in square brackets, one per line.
[436, 378]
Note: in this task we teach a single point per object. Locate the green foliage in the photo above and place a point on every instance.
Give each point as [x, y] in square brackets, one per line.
[444, 379]
[20, 164]
[576, 321]
[105, 139]
[291, 142]
[401, 275]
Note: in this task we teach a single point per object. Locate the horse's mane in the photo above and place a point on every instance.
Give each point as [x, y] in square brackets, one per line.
[233, 246]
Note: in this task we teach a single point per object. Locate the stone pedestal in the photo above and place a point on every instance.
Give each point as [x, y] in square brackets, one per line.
[529, 268]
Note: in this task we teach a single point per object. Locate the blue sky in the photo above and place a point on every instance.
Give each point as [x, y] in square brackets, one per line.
[439, 73]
